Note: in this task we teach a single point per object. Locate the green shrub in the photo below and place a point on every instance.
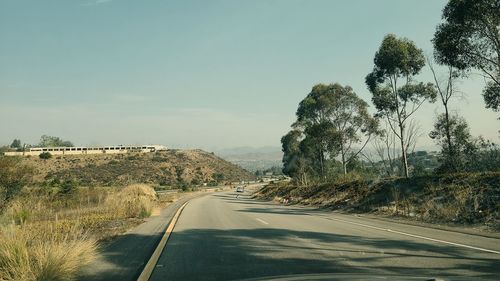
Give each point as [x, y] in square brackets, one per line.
[157, 159]
[133, 157]
[196, 181]
[45, 155]
[219, 177]
[14, 175]
[68, 187]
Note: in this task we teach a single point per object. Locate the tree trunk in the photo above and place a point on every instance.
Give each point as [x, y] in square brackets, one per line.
[404, 158]
[322, 164]
[451, 158]
[401, 124]
[344, 164]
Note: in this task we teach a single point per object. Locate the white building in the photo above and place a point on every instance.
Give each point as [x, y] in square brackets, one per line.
[35, 151]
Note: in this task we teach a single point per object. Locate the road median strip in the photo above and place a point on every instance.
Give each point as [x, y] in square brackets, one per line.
[153, 260]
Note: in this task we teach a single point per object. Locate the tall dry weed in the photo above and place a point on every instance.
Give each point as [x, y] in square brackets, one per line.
[43, 252]
[133, 201]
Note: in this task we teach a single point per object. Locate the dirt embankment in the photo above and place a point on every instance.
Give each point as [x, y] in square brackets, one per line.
[472, 199]
[172, 167]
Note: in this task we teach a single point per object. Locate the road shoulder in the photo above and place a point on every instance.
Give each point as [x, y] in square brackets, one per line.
[124, 258]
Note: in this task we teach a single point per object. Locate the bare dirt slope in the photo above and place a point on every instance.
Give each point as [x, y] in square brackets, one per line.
[172, 167]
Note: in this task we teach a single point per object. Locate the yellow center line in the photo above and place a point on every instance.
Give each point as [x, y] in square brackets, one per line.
[148, 269]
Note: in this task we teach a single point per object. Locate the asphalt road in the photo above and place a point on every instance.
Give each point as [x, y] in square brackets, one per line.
[124, 258]
[221, 237]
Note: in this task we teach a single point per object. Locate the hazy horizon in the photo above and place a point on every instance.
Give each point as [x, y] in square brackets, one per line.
[196, 74]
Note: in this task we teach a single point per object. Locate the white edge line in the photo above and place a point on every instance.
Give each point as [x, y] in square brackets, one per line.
[262, 221]
[418, 236]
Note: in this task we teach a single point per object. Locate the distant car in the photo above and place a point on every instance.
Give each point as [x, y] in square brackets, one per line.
[240, 189]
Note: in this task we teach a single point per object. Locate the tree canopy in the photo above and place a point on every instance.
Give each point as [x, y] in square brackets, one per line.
[456, 128]
[469, 38]
[331, 121]
[398, 59]
[16, 143]
[51, 141]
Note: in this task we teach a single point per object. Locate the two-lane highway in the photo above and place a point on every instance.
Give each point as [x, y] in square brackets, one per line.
[221, 237]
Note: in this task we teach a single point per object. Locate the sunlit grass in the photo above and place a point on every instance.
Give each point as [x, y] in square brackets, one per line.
[49, 251]
[45, 235]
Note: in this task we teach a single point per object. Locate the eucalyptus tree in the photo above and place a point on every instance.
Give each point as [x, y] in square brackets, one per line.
[447, 90]
[319, 146]
[295, 164]
[51, 141]
[342, 119]
[16, 143]
[454, 129]
[290, 147]
[469, 38]
[395, 93]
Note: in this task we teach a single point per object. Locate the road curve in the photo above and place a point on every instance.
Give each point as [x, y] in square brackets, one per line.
[221, 237]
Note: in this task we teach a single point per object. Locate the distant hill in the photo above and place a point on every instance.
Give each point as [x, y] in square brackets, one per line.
[171, 168]
[253, 158]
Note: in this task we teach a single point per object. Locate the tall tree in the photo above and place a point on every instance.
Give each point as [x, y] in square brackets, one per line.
[457, 129]
[318, 135]
[50, 141]
[348, 115]
[16, 143]
[398, 59]
[447, 90]
[319, 146]
[294, 163]
[469, 38]
[385, 146]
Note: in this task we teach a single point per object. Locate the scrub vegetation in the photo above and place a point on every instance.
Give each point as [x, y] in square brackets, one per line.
[49, 233]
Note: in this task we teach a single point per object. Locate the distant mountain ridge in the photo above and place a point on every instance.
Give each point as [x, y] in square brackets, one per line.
[253, 158]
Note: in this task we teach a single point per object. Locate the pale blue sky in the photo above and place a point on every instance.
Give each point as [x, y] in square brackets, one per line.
[210, 74]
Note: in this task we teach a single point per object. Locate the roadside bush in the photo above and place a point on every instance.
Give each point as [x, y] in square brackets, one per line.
[218, 177]
[133, 157]
[133, 201]
[18, 212]
[14, 175]
[68, 187]
[157, 158]
[196, 181]
[45, 155]
[45, 251]
[183, 185]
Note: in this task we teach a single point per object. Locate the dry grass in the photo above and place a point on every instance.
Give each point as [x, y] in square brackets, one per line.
[133, 201]
[48, 236]
[102, 212]
[43, 252]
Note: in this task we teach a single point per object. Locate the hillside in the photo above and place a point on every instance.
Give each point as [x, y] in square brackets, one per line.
[170, 168]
